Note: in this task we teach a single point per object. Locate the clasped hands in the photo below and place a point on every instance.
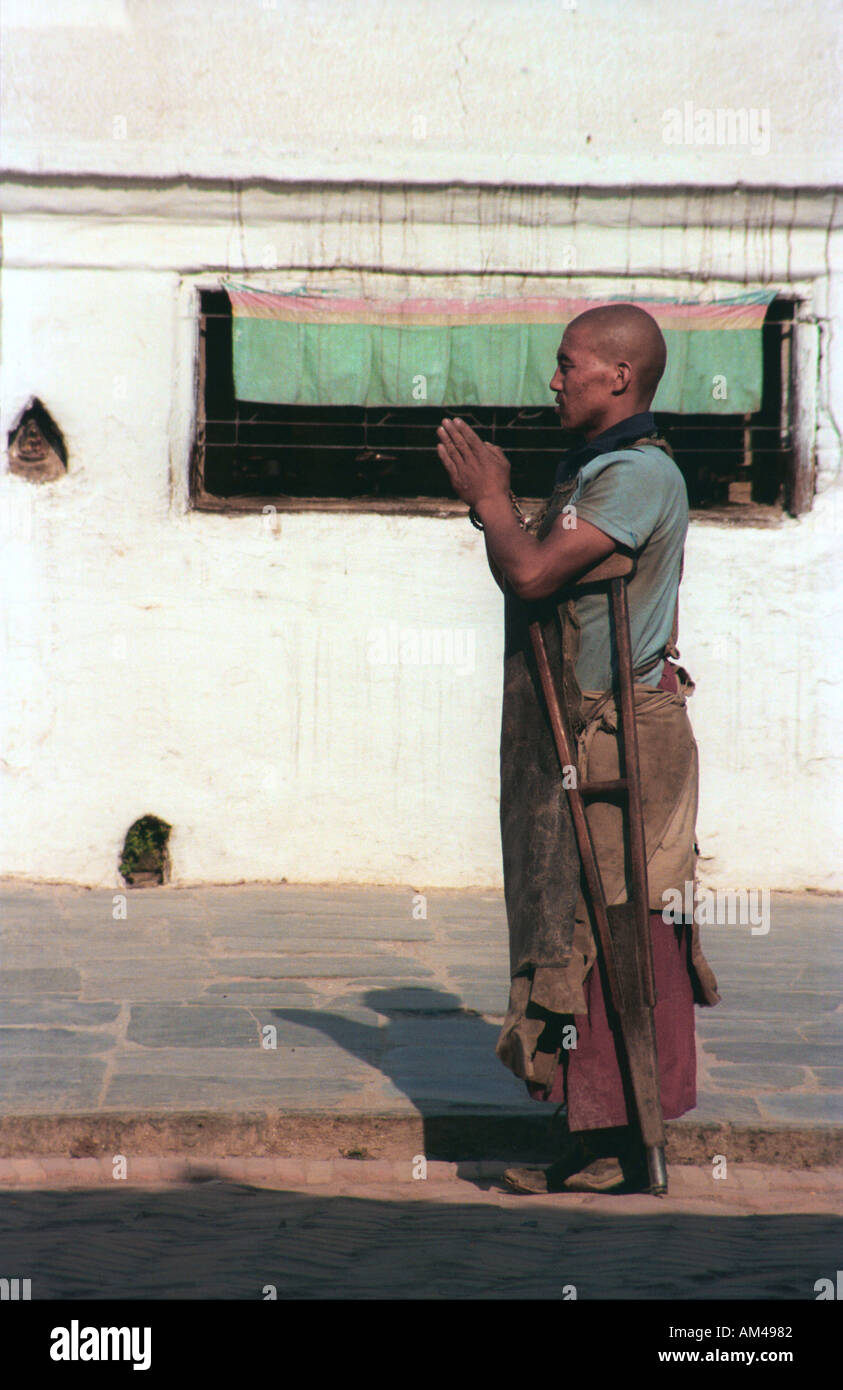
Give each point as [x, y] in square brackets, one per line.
[478, 471]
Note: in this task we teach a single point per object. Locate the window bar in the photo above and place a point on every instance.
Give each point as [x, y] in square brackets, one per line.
[786, 369]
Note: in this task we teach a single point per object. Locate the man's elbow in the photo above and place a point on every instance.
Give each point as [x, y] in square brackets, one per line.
[533, 584]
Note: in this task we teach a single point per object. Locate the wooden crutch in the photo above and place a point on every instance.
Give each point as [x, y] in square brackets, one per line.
[623, 931]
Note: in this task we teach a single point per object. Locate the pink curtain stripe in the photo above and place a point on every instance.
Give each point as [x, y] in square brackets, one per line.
[743, 312]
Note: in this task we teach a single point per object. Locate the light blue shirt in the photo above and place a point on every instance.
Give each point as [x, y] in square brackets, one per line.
[638, 497]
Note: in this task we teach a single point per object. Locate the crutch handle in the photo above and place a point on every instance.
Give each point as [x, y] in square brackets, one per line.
[615, 566]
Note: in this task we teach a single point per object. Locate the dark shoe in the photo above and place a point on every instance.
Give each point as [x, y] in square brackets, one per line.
[609, 1160]
[603, 1175]
[532, 1181]
[573, 1158]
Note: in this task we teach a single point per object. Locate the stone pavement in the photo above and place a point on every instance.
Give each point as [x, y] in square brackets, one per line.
[308, 1019]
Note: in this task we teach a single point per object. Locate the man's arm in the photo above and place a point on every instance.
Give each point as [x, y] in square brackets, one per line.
[496, 573]
[533, 568]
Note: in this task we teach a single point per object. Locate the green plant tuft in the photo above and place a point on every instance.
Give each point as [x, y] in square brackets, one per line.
[145, 848]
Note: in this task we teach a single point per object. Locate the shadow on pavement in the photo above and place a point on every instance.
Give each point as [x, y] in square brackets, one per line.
[442, 1057]
[226, 1241]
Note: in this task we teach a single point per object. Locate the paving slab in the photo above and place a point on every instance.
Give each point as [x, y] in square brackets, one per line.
[314, 967]
[823, 1108]
[185, 1025]
[829, 1078]
[152, 1092]
[55, 1011]
[53, 1085]
[15, 984]
[50, 1042]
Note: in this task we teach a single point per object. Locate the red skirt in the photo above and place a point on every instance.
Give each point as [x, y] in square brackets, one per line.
[591, 1080]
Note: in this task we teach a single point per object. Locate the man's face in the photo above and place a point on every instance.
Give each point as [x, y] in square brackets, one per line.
[582, 383]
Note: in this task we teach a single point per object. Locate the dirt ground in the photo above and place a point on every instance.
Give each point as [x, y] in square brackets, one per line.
[765, 1233]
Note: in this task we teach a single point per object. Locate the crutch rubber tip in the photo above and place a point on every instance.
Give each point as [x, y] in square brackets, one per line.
[657, 1171]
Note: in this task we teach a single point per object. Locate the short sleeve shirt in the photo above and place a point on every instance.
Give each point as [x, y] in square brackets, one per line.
[638, 497]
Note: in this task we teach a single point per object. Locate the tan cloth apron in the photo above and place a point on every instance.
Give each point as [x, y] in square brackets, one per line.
[669, 783]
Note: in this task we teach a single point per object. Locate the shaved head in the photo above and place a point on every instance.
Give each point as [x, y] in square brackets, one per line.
[624, 333]
[609, 365]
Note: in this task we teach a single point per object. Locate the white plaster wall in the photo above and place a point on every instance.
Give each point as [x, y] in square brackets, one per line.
[517, 91]
[215, 670]
[207, 669]
[760, 633]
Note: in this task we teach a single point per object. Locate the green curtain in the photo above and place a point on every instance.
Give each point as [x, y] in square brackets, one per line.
[714, 370]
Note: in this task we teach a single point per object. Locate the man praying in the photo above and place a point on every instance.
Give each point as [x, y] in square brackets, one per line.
[617, 488]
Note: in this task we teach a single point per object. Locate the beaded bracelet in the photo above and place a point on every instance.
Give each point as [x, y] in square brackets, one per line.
[522, 520]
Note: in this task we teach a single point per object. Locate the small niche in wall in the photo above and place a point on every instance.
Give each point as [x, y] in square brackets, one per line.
[37, 450]
[146, 858]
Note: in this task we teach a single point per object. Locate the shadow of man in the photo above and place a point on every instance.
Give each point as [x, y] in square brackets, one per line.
[440, 1056]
